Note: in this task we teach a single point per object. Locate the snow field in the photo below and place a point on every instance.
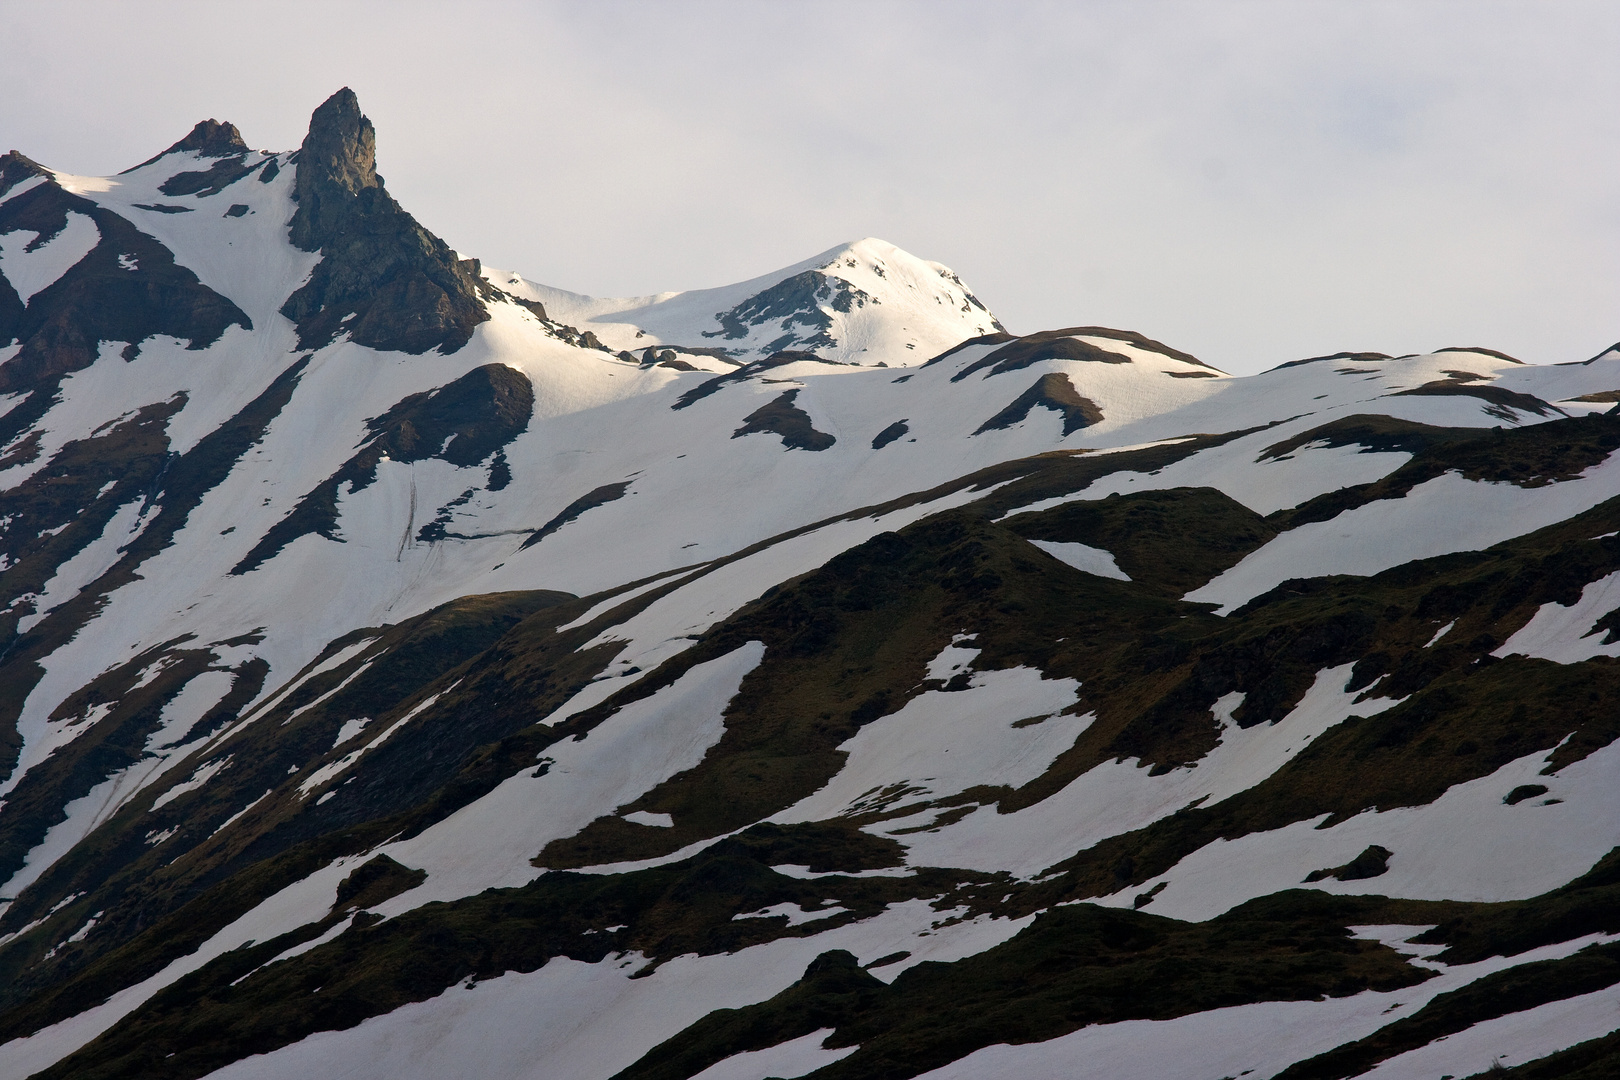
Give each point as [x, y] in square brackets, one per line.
[31, 272]
[941, 743]
[488, 843]
[1466, 845]
[589, 1021]
[1260, 1039]
[796, 1057]
[1084, 558]
[1119, 796]
[1436, 517]
[1566, 635]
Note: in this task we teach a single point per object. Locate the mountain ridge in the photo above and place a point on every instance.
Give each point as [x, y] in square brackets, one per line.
[424, 650]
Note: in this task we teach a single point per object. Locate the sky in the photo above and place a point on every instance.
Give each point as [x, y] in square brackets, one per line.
[1252, 182]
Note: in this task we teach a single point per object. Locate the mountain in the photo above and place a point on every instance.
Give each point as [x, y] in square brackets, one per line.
[409, 670]
[860, 303]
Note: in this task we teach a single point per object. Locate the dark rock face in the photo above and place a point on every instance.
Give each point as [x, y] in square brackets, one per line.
[782, 417]
[1052, 391]
[795, 301]
[210, 138]
[127, 288]
[383, 278]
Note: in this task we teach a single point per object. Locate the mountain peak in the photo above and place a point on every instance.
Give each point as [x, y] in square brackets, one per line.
[337, 161]
[212, 138]
[383, 278]
[209, 138]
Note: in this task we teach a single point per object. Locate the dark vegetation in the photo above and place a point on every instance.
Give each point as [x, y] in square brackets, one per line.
[780, 416]
[1051, 391]
[846, 644]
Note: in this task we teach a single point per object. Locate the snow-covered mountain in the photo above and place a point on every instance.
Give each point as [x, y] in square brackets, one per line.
[412, 670]
[862, 303]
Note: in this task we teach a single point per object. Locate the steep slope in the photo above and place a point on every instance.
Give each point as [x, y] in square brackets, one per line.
[866, 303]
[407, 673]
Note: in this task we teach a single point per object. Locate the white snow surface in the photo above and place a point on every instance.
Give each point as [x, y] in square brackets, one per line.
[1437, 517]
[913, 310]
[698, 497]
[796, 1057]
[1084, 557]
[589, 1021]
[1566, 634]
[1119, 796]
[488, 843]
[31, 272]
[1466, 845]
[944, 742]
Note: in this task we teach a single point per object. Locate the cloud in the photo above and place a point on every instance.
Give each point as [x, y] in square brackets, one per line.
[1250, 181]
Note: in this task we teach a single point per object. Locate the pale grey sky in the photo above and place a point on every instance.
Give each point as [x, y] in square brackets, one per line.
[1250, 181]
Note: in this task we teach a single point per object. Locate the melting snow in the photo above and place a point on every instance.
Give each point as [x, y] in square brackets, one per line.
[31, 272]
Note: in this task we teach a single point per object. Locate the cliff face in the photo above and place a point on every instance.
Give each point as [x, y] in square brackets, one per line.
[383, 279]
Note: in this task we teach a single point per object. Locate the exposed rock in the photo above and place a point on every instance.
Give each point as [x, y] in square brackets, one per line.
[796, 301]
[209, 138]
[782, 417]
[464, 423]
[889, 434]
[385, 280]
[127, 288]
[1052, 391]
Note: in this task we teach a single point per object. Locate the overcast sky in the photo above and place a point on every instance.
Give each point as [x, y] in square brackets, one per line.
[1253, 182]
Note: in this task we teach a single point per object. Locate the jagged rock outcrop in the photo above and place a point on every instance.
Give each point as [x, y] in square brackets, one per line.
[383, 279]
[210, 138]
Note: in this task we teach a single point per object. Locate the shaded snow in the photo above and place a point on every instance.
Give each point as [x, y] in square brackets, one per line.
[1085, 558]
[489, 842]
[944, 742]
[1566, 635]
[589, 1021]
[1466, 845]
[31, 272]
[796, 1057]
[1259, 1040]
